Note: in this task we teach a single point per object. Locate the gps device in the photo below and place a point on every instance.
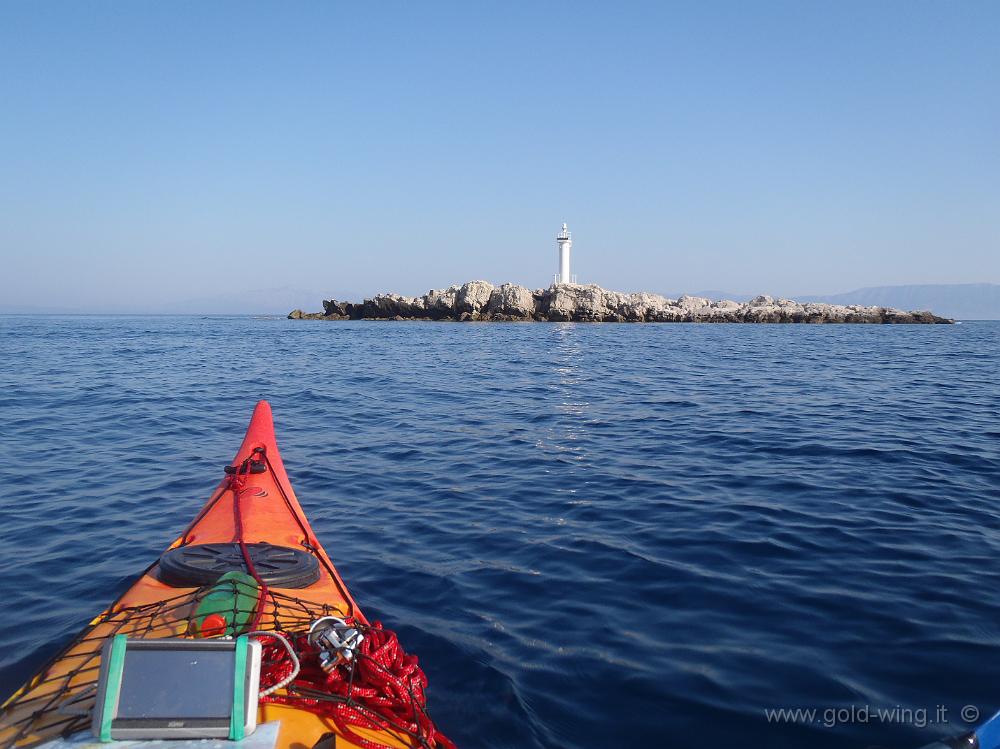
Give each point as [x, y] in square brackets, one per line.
[177, 688]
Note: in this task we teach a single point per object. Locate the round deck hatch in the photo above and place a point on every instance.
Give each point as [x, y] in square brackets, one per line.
[203, 564]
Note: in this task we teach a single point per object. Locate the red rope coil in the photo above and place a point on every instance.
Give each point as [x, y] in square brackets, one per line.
[382, 690]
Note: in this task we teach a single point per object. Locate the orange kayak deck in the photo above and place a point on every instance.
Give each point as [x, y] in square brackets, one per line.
[56, 700]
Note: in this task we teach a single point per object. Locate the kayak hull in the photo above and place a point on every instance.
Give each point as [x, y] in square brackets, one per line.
[263, 509]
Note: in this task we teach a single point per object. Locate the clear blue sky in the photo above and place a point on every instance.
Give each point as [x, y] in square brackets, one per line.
[157, 153]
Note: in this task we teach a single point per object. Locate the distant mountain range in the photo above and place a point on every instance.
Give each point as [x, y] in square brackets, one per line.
[961, 301]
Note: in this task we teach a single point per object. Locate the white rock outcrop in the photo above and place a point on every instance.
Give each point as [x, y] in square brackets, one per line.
[481, 300]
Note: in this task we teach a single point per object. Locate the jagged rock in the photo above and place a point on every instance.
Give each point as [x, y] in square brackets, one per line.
[473, 298]
[337, 310]
[668, 312]
[480, 300]
[385, 306]
[440, 305]
[297, 314]
[579, 303]
[692, 303]
[334, 310]
[540, 299]
[726, 304]
[511, 301]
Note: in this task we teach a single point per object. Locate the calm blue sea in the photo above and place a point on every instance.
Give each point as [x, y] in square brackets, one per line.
[592, 535]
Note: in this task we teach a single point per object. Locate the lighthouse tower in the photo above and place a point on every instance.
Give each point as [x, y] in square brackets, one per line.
[564, 242]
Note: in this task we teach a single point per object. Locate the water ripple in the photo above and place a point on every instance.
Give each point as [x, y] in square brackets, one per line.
[593, 536]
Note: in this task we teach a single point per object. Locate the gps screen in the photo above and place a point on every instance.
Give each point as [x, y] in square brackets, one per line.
[182, 684]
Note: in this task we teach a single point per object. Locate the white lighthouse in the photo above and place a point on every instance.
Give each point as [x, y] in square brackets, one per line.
[564, 241]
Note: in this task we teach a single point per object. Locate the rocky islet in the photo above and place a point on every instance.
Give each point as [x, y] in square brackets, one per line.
[482, 301]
